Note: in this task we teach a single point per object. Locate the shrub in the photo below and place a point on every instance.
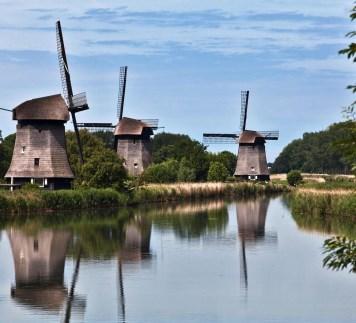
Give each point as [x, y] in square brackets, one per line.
[165, 172]
[294, 178]
[186, 172]
[217, 172]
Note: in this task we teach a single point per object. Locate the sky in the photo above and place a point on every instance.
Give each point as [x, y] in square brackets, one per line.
[187, 62]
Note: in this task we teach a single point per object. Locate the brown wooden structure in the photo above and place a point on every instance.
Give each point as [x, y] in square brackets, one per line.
[40, 154]
[251, 158]
[132, 140]
[133, 144]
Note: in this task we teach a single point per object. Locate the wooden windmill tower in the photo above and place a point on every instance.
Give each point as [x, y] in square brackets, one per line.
[78, 102]
[132, 136]
[251, 158]
[40, 154]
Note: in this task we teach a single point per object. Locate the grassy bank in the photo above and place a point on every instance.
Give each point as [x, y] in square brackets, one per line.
[323, 202]
[23, 201]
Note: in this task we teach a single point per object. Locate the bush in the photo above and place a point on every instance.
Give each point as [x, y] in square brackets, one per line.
[186, 172]
[217, 172]
[294, 178]
[165, 172]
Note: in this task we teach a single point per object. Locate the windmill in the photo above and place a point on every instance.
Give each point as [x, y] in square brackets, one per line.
[251, 159]
[78, 102]
[132, 137]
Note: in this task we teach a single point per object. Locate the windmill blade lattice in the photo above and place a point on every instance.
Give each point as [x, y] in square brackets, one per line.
[244, 106]
[76, 103]
[122, 90]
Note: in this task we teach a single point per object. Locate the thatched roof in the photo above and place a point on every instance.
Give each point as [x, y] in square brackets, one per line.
[51, 107]
[133, 127]
[250, 137]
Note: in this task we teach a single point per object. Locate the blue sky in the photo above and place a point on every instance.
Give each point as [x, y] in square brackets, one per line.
[188, 61]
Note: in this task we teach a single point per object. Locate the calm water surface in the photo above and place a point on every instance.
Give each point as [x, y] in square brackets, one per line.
[245, 261]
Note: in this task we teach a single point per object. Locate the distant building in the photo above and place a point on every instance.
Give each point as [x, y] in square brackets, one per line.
[251, 158]
[40, 155]
[133, 144]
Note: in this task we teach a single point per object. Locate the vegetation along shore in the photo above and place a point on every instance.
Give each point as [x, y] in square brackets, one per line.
[23, 201]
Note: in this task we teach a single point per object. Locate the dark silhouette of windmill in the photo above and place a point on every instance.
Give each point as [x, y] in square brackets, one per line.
[251, 159]
[76, 103]
[132, 137]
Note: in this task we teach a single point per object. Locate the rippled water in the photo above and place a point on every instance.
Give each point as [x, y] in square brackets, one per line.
[214, 261]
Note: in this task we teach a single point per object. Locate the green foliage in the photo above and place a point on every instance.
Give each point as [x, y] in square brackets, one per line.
[107, 137]
[165, 172]
[350, 52]
[294, 178]
[340, 253]
[317, 152]
[217, 172]
[227, 158]
[175, 146]
[102, 167]
[186, 171]
[6, 149]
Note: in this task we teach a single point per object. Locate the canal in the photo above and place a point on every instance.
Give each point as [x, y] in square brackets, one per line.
[213, 261]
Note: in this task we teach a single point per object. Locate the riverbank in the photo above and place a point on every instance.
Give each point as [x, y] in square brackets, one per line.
[25, 201]
[323, 202]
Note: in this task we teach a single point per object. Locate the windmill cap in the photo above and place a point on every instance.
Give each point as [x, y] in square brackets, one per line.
[250, 137]
[134, 127]
[51, 107]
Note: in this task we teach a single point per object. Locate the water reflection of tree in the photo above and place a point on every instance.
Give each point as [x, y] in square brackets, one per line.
[316, 221]
[340, 251]
[193, 225]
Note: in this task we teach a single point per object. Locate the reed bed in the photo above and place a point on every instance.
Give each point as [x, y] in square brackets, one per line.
[23, 201]
[323, 202]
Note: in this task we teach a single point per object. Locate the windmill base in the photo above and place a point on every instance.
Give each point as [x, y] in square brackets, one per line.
[262, 178]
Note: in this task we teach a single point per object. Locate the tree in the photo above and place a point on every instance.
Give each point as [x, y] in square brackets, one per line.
[294, 178]
[6, 150]
[227, 158]
[217, 172]
[186, 172]
[317, 152]
[340, 253]
[165, 172]
[350, 51]
[102, 167]
[167, 146]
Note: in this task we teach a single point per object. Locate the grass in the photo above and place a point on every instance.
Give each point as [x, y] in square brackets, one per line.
[25, 201]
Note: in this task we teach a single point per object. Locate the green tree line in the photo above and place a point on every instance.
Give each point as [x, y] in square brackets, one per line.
[328, 151]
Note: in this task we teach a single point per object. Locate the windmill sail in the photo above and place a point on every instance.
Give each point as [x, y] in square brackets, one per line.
[76, 103]
[244, 106]
[122, 90]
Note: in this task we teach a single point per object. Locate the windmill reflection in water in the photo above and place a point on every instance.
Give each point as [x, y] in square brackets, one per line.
[39, 260]
[251, 220]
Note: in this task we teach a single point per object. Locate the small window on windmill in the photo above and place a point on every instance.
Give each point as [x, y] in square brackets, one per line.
[23, 149]
[134, 141]
[252, 169]
[135, 165]
[40, 130]
[37, 162]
